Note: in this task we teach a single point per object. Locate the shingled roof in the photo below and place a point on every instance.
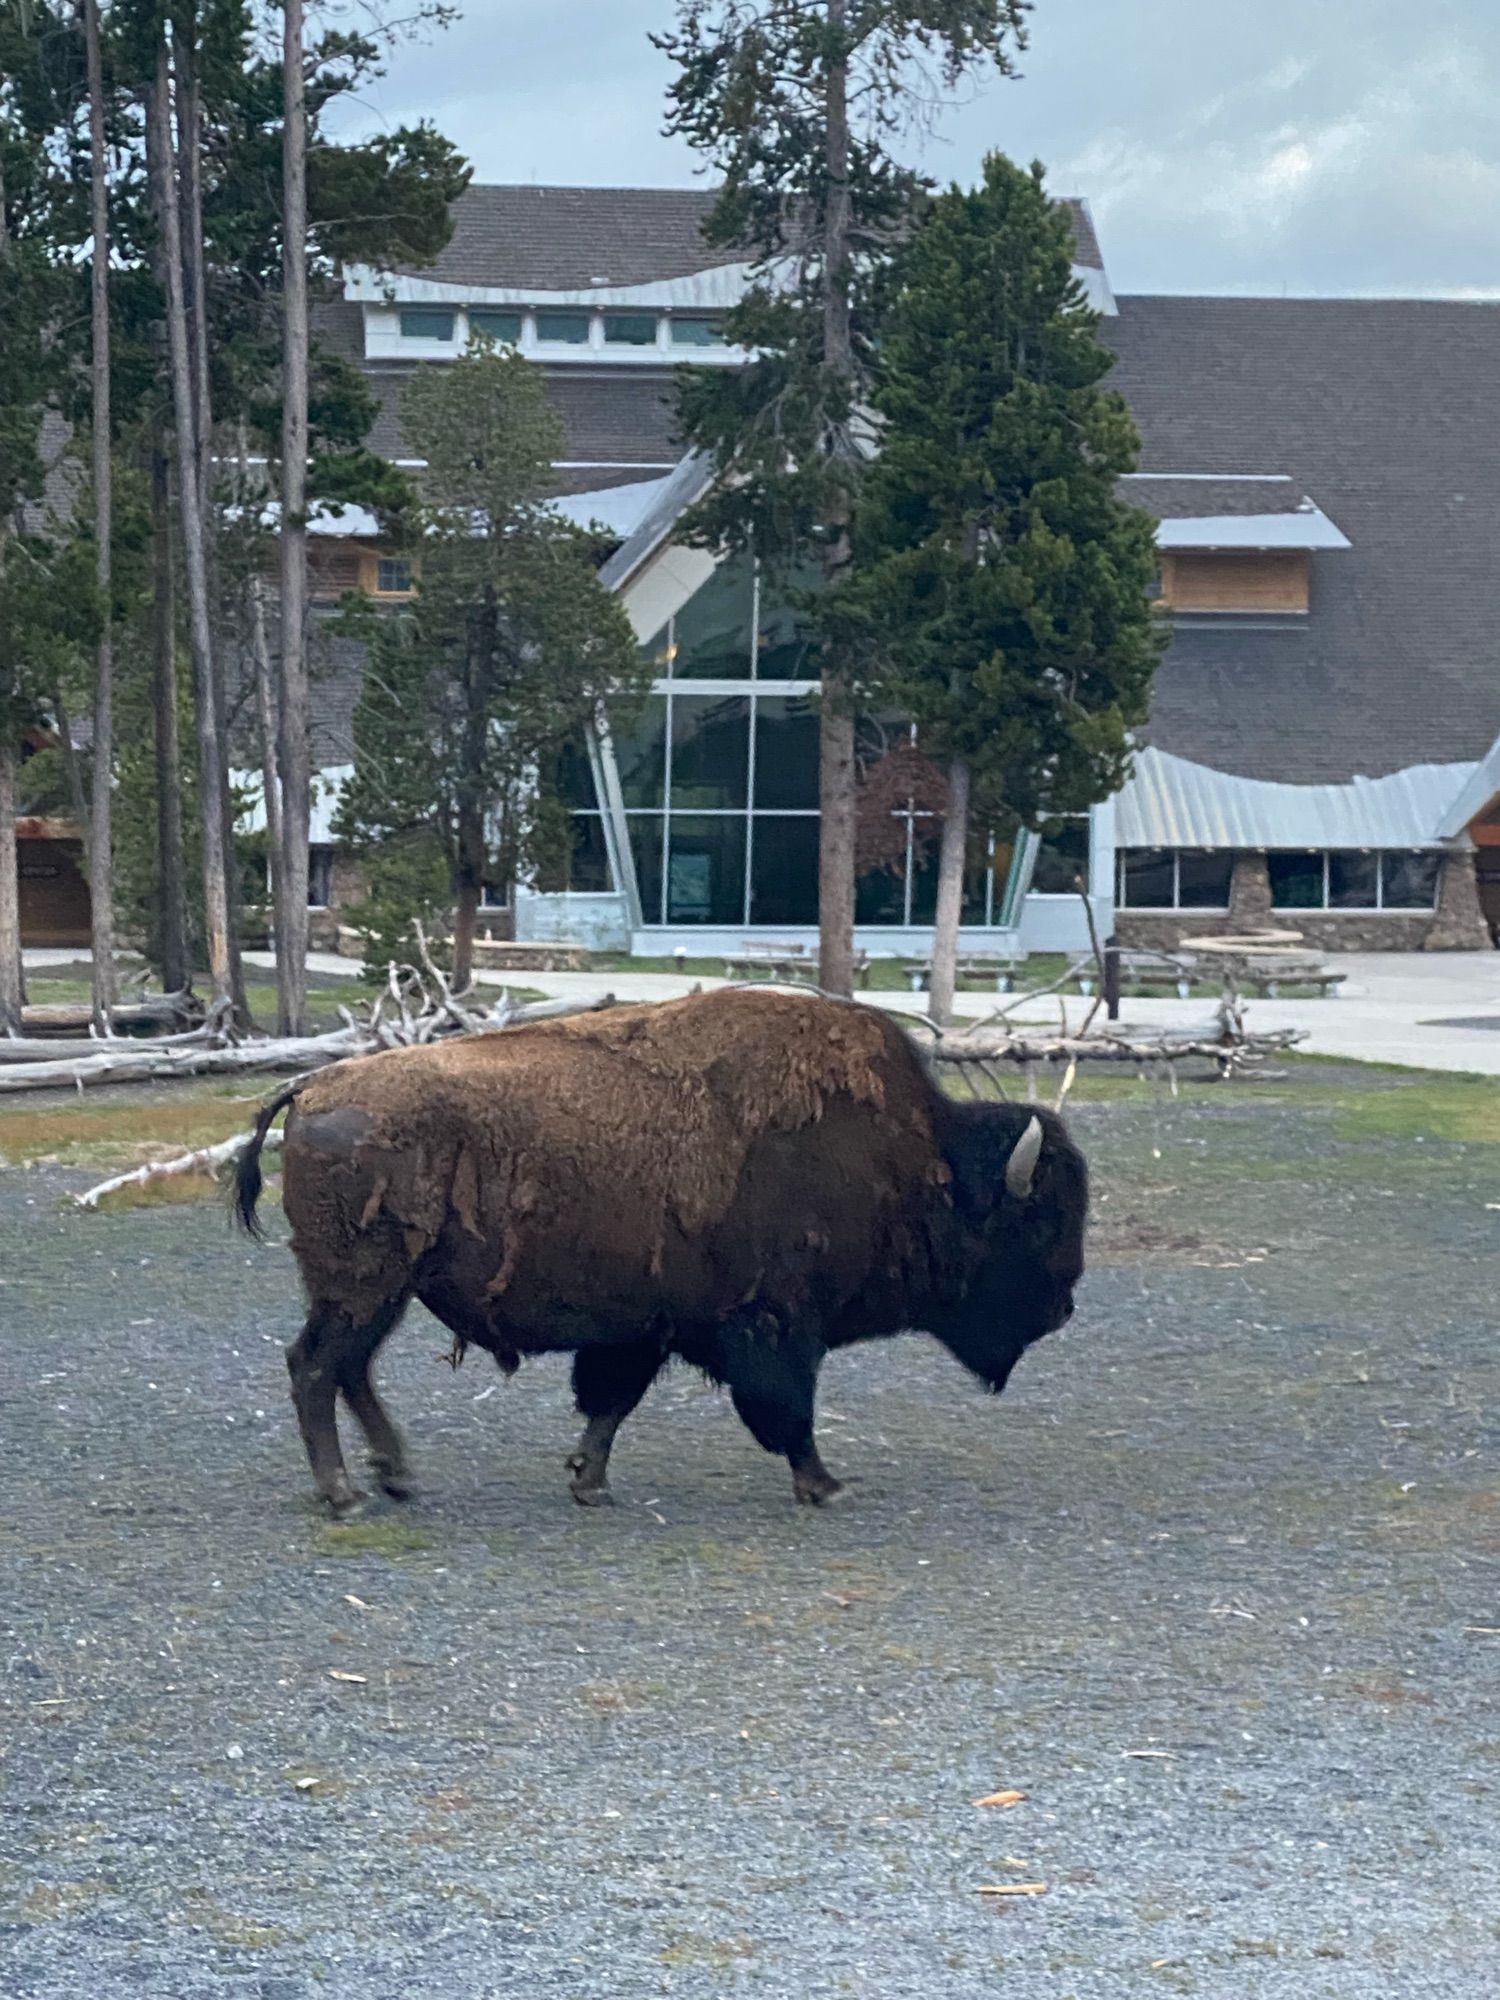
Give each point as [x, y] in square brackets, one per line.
[571, 238]
[1381, 409]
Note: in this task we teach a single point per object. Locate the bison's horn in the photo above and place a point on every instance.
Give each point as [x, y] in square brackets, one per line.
[1020, 1168]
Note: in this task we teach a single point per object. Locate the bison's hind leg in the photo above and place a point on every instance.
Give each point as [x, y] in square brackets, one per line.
[333, 1353]
[608, 1382]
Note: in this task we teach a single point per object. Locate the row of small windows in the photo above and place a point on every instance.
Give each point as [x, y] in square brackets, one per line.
[1171, 878]
[563, 328]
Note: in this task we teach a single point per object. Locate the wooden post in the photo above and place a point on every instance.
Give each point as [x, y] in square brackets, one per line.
[1112, 978]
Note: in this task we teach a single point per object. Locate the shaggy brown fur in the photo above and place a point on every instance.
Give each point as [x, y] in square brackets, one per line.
[660, 1178]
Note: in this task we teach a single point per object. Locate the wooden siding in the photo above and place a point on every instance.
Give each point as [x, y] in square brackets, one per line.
[1234, 579]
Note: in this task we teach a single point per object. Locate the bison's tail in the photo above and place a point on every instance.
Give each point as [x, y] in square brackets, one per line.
[246, 1186]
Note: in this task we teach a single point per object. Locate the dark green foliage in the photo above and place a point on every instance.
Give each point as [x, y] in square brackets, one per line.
[752, 95]
[508, 647]
[1000, 594]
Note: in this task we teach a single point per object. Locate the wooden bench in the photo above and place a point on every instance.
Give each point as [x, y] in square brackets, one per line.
[1158, 968]
[1266, 974]
[794, 963]
[997, 965]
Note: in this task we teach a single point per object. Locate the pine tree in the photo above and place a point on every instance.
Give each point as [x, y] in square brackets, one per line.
[505, 655]
[1001, 590]
[795, 103]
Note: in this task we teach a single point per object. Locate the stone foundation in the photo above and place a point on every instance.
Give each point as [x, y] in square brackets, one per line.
[1457, 924]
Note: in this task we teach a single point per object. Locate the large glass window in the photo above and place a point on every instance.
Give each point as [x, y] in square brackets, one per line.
[1062, 858]
[712, 636]
[1169, 878]
[784, 870]
[705, 869]
[641, 757]
[1296, 881]
[786, 752]
[1409, 881]
[710, 752]
[1355, 879]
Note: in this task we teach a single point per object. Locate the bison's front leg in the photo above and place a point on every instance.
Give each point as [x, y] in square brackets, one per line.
[772, 1375]
[608, 1382]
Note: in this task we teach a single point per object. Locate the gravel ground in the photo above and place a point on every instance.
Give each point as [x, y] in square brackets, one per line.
[1214, 1585]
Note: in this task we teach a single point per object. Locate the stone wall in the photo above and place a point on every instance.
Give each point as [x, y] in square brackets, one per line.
[1457, 924]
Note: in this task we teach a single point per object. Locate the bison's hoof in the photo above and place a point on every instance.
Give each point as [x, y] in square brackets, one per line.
[395, 1481]
[345, 1501]
[820, 1490]
[590, 1486]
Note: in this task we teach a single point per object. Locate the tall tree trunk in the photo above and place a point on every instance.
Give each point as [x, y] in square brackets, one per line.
[101, 833]
[210, 755]
[171, 869]
[296, 760]
[950, 894]
[12, 990]
[189, 182]
[78, 798]
[265, 713]
[468, 888]
[836, 791]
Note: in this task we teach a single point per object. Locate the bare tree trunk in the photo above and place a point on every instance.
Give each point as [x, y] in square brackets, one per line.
[836, 792]
[950, 894]
[12, 989]
[171, 869]
[72, 771]
[265, 711]
[101, 833]
[296, 761]
[210, 757]
[189, 185]
[468, 888]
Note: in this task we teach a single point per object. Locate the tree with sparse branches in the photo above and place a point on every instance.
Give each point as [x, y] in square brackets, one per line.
[502, 660]
[798, 104]
[1001, 590]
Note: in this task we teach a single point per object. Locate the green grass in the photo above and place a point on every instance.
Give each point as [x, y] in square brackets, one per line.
[323, 1002]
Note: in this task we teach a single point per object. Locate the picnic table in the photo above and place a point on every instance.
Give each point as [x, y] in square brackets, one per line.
[1001, 966]
[1265, 961]
[766, 959]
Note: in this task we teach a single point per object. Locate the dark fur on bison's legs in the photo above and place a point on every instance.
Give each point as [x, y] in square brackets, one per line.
[608, 1383]
[387, 1446]
[319, 1360]
[771, 1373]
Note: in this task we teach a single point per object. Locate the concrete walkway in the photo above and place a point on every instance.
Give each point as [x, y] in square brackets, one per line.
[1438, 1010]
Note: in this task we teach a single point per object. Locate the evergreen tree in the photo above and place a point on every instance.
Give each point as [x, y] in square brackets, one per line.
[1001, 591]
[796, 104]
[503, 658]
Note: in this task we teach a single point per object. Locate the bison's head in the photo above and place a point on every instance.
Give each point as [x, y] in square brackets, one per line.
[1020, 1196]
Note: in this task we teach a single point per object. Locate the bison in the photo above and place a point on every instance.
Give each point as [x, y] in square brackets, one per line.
[744, 1179]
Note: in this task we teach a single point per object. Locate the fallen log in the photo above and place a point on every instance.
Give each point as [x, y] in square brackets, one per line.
[209, 1161]
[152, 1009]
[36, 1048]
[1229, 1053]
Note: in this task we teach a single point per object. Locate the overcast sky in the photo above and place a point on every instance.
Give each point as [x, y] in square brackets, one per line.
[1286, 145]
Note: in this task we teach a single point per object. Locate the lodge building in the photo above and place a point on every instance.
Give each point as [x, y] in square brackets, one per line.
[1323, 748]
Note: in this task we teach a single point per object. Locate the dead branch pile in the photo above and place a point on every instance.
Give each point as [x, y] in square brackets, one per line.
[417, 1006]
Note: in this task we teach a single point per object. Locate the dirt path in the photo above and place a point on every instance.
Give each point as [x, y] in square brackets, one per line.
[1214, 1585]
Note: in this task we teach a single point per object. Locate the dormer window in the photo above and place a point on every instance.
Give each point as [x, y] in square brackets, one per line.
[630, 329]
[697, 332]
[426, 323]
[569, 327]
[502, 326]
